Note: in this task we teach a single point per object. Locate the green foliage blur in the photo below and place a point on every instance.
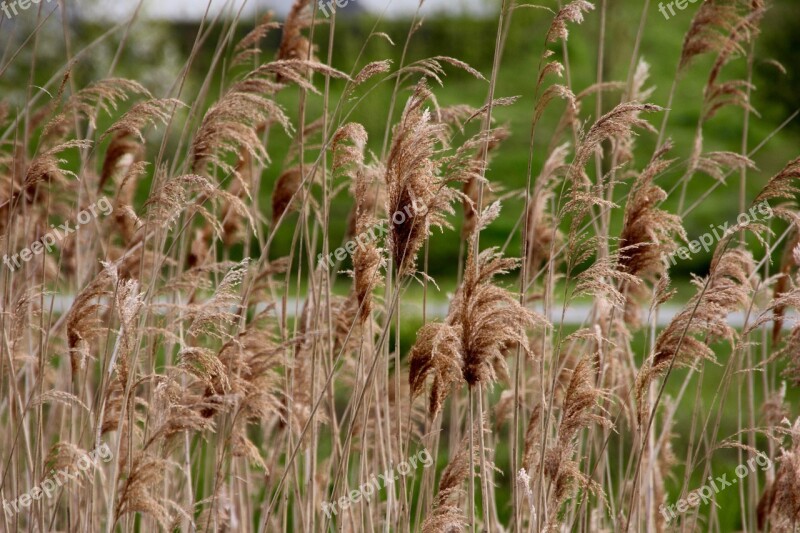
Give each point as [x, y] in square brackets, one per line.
[156, 52]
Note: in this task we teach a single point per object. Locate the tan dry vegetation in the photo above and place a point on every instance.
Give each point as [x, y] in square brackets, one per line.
[240, 393]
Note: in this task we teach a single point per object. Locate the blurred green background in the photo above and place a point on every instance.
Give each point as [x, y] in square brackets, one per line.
[156, 51]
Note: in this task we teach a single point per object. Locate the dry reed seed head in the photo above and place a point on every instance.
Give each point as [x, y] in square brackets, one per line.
[83, 321]
[617, 124]
[175, 194]
[368, 258]
[623, 148]
[349, 158]
[247, 358]
[470, 172]
[583, 195]
[247, 50]
[285, 194]
[648, 235]
[234, 123]
[447, 515]
[294, 44]
[217, 314]
[572, 12]
[490, 318]
[719, 26]
[369, 191]
[554, 67]
[102, 96]
[65, 455]
[638, 91]
[456, 116]
[714, 163]
[551, 93]
[782, 185]
[176, 410]
[232, 126]
[780, 503]
[122, 153]
[296, 71]
[533, 438]
[543, 236]
[231, 211]
[431, 68]
[22, 315]
[598, 280]
[369, 71]
[143, 114]
[46, 168]
[437, 352]
[204, 364]
[128, 303]
[367, 266]
[140, 490]
[580, 403]
[743, 31]
[125, 217]
[727, 289]
[417, 196]
[57, 397]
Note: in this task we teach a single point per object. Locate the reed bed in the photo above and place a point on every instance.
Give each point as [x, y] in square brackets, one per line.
[239, 388]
